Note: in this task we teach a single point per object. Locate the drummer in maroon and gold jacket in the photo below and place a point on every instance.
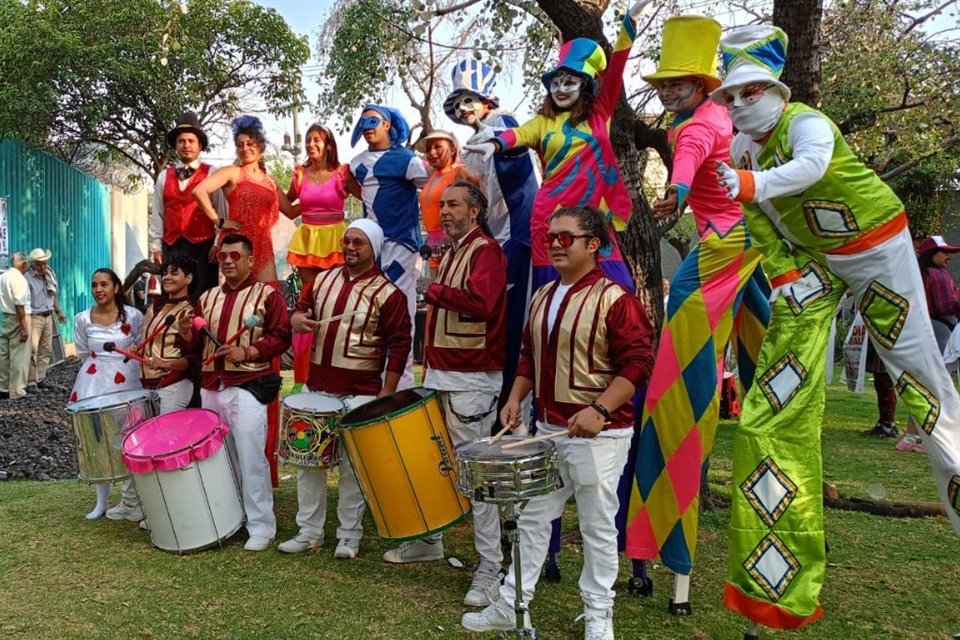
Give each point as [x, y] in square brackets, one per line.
[239, 383]
[167, 369]
[349, 358]
[586, 349]
[465, 349]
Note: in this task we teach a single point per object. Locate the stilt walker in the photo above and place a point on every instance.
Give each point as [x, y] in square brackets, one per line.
[707, 295]
[825, 223]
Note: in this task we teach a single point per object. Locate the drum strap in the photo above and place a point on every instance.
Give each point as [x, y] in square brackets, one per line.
[474, 418]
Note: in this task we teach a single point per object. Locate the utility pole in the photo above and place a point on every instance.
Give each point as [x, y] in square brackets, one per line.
[295, 148]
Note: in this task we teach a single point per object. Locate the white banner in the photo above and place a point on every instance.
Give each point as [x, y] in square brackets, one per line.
[855, 355]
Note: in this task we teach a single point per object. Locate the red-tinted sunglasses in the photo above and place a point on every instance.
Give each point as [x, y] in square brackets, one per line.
[233, 255]
[565, 238]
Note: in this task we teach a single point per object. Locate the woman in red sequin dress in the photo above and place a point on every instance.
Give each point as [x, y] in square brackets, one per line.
[255, 198]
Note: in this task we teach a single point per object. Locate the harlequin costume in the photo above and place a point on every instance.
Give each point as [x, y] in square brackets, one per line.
[389, 179]
[717, 291]
[348, 359]
[579, 165]
[316, 242]
[825, 223]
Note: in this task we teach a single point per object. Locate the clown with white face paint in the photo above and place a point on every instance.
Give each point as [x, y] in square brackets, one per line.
[718, 287]
[825, 223]
[565, 89]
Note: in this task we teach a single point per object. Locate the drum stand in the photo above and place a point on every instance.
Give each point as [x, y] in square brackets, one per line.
[511, 514]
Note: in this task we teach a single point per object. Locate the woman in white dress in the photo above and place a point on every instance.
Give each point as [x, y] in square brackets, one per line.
[108, 320]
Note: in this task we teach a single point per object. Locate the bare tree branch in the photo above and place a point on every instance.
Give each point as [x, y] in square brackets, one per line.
[916, 22]
[947, 144]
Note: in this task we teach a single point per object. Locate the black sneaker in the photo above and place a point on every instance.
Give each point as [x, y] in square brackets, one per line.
[32, 389]
[881, 430]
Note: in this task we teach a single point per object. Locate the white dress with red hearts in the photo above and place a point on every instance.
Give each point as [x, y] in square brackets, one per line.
[103, 372]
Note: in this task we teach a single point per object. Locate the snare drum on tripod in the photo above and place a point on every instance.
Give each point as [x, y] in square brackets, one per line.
[488, 473]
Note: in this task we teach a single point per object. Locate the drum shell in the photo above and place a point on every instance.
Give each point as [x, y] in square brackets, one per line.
[501, 480]
[99, 431]
[322, 451]
[405, 464]
[194, 506]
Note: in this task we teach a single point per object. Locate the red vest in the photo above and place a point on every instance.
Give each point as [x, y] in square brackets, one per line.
[181, 213]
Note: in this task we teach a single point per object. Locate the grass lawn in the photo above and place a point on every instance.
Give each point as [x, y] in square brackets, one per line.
[64, 577]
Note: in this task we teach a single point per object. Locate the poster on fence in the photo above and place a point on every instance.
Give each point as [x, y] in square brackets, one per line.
[855, 355]
[4, 235]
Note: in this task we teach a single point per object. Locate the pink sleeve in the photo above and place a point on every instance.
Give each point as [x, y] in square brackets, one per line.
[694, 145]
[341, 183]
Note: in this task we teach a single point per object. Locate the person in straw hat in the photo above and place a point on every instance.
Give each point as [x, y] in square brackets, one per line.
[825, 223]
[719, 285]
[43, 307]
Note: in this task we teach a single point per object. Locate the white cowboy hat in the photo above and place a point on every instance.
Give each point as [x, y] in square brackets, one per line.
[39, 255]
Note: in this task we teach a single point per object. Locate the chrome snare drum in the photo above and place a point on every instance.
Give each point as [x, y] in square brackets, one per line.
[308, 433]
[490, 474]
[100, 422]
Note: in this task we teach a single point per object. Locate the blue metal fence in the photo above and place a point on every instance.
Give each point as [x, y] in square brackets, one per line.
[54, 206]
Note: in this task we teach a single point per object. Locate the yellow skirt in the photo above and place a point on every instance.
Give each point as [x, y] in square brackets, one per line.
[317, 246]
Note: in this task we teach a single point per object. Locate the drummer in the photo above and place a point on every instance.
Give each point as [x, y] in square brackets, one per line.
[239, 383]
[586, 349]
[349, 358]
[465, 344]
[166, 368]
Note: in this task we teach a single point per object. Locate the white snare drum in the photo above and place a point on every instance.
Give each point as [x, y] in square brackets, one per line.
[308, 436]
[99, 424]
[490, 474]
[185, 479]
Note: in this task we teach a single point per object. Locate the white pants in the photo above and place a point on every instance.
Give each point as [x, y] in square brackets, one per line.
[470, 415]
[403, 266]
[590, 469]
[914, 353]
[312, 494]
[247, 419]
[175, 396]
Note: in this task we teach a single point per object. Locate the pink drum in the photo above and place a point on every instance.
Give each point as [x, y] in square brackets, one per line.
[185, 479]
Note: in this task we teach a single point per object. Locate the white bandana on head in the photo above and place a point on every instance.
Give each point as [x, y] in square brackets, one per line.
[373, 232]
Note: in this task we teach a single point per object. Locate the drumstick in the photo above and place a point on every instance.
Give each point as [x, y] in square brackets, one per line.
[112, 346]
[248, 323]
[167, 322]
[342, 315]
[499, 435]
[547, 436]
[200, 324]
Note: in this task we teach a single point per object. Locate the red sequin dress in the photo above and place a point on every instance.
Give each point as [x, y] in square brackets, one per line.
[255, 206]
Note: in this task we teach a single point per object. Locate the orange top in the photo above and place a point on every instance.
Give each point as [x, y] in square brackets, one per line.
[432, 192]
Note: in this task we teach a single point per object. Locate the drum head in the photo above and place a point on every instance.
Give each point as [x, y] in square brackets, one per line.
[390, 406]
[314, 402]
[108, 400]
[482, 449]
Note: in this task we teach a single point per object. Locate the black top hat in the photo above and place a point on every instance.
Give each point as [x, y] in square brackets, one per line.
[187, 121]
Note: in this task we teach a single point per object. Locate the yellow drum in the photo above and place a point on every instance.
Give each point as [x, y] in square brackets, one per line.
[406, 465]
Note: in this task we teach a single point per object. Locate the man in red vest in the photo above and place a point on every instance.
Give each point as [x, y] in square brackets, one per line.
[177, 223]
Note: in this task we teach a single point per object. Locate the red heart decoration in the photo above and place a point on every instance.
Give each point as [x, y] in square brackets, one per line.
[92, 369]
[93, 354]
[119, 378]
[73, 397]
[125, 328]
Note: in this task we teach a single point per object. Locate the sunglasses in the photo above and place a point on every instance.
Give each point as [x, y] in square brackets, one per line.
[353, 242]
[232, 255]
[748, 95]
[565, 238]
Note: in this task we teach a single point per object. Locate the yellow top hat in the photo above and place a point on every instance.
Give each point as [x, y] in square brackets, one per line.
[689, 49]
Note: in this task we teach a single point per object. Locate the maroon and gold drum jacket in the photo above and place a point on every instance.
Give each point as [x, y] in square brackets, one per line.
[164, 344]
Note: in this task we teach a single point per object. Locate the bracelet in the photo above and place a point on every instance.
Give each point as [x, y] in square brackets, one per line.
[602, 410]
[246, 354]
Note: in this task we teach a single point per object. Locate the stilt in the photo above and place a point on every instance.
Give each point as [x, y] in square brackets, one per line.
[640, 584]
[753, 631]
[680, 603]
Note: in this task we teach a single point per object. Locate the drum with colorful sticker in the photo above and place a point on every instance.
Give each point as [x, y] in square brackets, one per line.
[308, 430]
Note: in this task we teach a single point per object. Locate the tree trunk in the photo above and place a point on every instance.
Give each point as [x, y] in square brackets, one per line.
[800, 19]
[640, 241]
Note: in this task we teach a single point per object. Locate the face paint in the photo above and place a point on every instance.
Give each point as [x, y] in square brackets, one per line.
[679, 96]
[760, 115]
[565, 89]
[468, 108]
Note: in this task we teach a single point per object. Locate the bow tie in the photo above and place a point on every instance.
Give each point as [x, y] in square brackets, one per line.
[184, 173]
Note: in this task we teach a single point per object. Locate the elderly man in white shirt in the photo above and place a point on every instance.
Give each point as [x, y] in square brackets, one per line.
[15, 331]
[44, 306]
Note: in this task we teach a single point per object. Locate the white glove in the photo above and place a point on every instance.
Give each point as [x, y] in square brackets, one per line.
[639, 8]
[776, 291]
[729, 180]
[482, 142]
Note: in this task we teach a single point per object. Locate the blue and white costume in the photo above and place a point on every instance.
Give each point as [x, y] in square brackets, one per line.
[389, 180]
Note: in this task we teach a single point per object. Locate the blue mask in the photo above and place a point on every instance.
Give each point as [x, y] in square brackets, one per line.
[370, 122]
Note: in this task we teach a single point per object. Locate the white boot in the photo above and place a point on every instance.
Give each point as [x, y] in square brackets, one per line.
[598, 624]
[103, 494]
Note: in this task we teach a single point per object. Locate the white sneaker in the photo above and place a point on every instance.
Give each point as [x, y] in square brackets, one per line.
[496, 617]
[415, 551]
[299, 543]
[257, 543]
[145, 524]
[124, 511]
[484, 590]
[347, 549]
[598, 624]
